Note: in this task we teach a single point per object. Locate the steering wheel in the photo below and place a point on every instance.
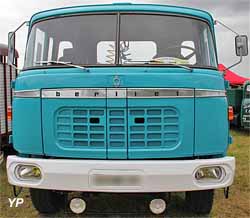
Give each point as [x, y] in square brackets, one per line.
[186, 47]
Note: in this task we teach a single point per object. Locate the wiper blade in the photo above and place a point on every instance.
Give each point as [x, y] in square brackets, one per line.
[62, 63]
[161, 62]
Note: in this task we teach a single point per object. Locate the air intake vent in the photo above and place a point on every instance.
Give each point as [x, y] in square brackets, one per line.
[154, 127]
[77, 127]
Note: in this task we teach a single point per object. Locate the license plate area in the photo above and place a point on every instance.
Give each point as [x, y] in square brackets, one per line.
[115, 179]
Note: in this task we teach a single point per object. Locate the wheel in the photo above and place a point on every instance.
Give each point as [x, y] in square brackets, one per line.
[47, 201]
[200, 202]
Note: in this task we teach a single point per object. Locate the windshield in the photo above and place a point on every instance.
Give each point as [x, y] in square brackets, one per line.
[144, 39]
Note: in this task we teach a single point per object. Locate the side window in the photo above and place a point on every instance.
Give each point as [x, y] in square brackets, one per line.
[188, 51]
[62, 54]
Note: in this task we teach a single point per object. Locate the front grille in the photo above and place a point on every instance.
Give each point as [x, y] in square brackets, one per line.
[153, 128]
[139, 128]
[117, 131]
[77, 127]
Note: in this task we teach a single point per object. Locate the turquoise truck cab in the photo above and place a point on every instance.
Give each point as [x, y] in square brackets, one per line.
[121, 98]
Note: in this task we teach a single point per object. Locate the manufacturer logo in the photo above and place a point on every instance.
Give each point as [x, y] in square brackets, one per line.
[116, 81]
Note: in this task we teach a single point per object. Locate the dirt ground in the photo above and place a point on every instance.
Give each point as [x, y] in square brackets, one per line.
[105, 205]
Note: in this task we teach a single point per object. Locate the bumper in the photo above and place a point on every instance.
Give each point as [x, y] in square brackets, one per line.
[146, 175]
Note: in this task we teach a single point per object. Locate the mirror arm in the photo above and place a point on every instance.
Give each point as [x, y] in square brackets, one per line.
[237, 63]
[25, 22]
[10, 38]
[227, 27]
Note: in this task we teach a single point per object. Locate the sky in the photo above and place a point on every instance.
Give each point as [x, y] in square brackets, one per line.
[234, 13]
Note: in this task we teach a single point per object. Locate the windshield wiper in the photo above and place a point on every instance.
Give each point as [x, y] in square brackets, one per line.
[62, 63]
[159, 62]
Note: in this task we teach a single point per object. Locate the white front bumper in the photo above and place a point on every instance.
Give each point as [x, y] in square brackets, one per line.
[154, 175]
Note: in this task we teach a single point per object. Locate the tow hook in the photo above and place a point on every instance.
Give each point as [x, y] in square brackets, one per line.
[226, 192]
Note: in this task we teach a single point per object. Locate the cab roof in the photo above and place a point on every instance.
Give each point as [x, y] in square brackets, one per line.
[123, 7]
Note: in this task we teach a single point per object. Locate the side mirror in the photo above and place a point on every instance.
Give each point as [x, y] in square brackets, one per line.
[241, 45]
[11, 48]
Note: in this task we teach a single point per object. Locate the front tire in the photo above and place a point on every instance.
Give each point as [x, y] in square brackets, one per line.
[200, 202]
[47, 201]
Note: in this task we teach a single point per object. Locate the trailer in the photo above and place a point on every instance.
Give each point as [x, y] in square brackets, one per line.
[7, 75]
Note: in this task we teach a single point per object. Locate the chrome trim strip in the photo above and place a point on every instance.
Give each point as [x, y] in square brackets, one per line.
[35, 93]
[122, 93]
[74, 93]
[116, 93]
[204, 93]
[160, 93]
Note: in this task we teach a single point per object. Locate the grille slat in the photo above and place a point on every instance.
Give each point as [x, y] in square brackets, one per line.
[85, 128]
[159, 130]
[145, 128]
[117, 128]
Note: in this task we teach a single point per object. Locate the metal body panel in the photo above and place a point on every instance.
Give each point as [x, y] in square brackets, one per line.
[211, 126]
[189, 131]
[68, 130]
[131, 77]
[27, 125]
[147, 8]
[167, 130]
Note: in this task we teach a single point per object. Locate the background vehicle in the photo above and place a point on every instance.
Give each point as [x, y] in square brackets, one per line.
[238, 97]
[7, 74]
[116, 98]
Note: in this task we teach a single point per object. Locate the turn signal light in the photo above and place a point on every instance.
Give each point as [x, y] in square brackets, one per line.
[9, 113]
[230, 113]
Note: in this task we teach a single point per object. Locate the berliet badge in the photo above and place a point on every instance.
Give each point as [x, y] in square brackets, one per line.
[116, 81]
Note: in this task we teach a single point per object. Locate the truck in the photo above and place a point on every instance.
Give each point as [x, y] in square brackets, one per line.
[238, 94]
[239, 100]
[7, 74]
[121, 98]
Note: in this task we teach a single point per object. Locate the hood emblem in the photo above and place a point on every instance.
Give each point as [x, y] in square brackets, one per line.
[116, 81]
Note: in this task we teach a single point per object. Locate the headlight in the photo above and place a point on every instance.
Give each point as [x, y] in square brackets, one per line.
[206, 174]
[28, 172]
[248, 88]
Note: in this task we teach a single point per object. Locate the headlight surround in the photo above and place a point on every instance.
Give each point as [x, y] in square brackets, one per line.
[209, 174]
[28, 172]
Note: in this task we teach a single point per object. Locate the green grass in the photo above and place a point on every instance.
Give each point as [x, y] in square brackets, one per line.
[238, 204]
